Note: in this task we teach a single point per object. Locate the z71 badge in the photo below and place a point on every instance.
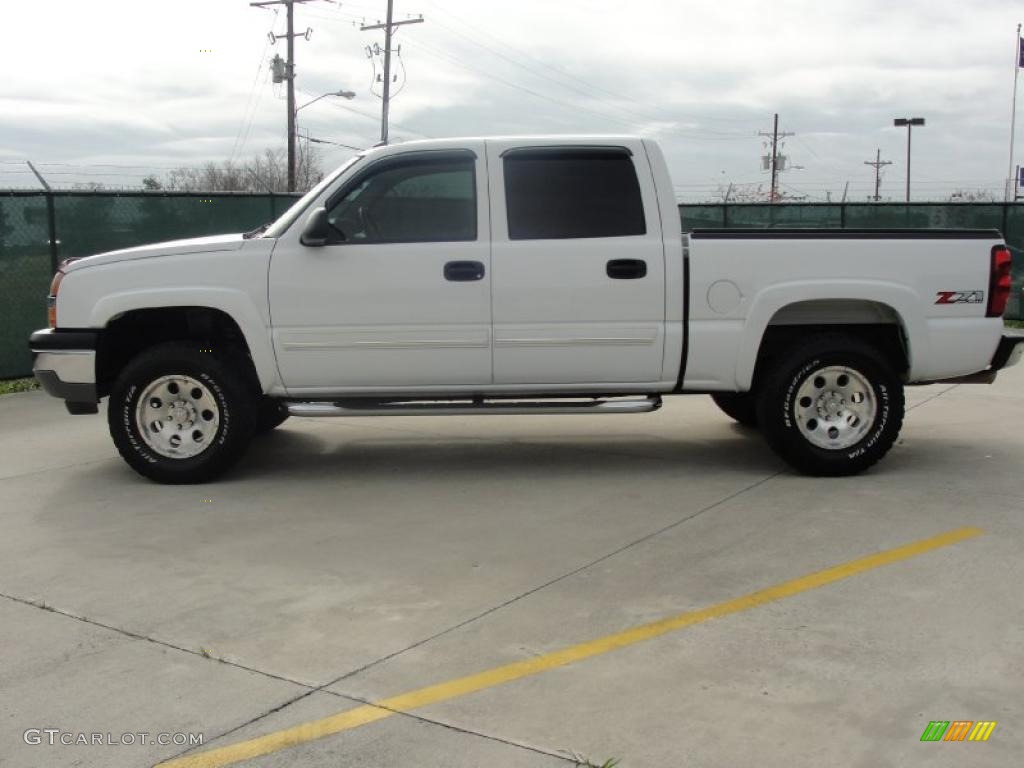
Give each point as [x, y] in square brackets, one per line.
[960, 297]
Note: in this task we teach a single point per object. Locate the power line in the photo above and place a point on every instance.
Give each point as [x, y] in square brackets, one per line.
[430, 50]
[630, 113]
[368, 116]
[627, 117]
[245, 124]
[562, 73]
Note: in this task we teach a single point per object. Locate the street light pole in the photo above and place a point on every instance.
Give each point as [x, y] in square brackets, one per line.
[909, 122]
[295, 116]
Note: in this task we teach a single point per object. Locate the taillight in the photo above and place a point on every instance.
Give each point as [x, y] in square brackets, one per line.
[999, 281]
[51, 300]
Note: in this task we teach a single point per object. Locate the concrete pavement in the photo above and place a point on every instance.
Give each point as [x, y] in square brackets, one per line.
[349, 561]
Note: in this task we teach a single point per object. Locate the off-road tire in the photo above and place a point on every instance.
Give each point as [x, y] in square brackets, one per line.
[778, 403]
[221, 373]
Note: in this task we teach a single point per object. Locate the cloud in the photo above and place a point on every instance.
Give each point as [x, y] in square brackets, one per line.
[187, 82]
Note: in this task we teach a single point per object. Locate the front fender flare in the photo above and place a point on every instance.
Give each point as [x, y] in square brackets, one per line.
[235, 304]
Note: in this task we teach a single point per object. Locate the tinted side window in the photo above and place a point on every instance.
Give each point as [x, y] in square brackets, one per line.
[565, 193]
[410, 200]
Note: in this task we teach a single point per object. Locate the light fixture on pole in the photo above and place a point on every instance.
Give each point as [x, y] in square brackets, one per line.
[909, 122]
[340, 93]
[343, 94]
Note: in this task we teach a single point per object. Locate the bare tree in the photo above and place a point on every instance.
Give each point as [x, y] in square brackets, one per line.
[263, 173]
[752, 193]
[972, 196]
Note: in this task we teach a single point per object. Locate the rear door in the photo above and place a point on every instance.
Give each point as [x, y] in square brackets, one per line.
[578, 272]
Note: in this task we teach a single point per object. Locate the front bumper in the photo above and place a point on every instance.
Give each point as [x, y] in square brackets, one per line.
[65, 365]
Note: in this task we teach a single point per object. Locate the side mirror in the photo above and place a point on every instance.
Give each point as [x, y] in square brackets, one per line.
[317, 230]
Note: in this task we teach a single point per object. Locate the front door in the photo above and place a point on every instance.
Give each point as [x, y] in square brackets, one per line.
[400, 297]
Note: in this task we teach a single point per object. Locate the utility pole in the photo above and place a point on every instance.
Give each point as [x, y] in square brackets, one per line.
[389, 27]
[878, 163]
[774, 158]
[289, 75]
[1018, 62]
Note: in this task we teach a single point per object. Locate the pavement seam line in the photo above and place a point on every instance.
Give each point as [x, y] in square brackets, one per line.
[43, 606]
[569, 574]
[310, 690]
[929, 399]
[495, 608]
[432, 694]
[453, 727]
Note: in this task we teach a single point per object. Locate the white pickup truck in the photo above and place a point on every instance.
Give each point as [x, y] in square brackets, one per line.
[518, 275]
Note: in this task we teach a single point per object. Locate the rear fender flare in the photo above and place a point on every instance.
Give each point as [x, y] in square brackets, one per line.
[903, 301]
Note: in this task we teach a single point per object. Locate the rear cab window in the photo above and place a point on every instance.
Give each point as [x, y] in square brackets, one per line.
[572, 192]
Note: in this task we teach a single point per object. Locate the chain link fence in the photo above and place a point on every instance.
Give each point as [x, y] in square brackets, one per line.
[39, 229]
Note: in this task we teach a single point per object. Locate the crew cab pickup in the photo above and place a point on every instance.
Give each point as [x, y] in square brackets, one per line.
[518, 275]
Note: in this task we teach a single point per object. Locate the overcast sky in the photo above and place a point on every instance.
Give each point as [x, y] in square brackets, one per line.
[110, 90]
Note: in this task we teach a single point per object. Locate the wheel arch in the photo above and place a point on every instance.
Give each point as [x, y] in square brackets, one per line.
[885, 314]
[130, 327]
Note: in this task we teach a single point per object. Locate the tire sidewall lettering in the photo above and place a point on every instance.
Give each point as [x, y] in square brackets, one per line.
[794, 384]
[131, 429]
[881, 392]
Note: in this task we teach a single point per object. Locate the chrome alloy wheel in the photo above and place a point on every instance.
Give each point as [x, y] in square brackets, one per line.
[835, 407]
[177, 416]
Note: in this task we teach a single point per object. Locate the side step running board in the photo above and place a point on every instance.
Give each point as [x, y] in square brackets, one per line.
[473, 407]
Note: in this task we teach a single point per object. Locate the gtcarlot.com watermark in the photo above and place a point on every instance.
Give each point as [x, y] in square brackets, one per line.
[54, 737]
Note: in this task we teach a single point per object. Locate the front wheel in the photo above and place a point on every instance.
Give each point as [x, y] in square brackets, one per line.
[181, 414]
[832, 407]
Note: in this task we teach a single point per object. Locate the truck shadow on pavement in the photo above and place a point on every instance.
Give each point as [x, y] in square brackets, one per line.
[299, 452]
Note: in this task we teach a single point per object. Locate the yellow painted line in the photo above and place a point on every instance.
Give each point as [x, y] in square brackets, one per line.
[369, 713]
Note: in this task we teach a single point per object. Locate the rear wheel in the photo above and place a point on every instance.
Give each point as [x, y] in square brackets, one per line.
[833, 406]
[741, 406]
[181, 415]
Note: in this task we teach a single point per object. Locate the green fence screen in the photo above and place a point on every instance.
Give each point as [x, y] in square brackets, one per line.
[84, 223]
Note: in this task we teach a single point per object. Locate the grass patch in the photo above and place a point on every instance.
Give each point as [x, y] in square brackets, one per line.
[584, 762]
[18, 385]
[1014, 323]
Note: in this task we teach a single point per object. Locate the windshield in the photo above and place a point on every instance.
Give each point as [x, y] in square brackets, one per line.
[280, 226]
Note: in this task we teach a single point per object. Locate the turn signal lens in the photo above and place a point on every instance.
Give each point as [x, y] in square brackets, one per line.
[999, 281]
[51, 300]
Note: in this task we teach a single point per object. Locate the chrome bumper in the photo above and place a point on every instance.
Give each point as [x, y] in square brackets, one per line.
[65, 365]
